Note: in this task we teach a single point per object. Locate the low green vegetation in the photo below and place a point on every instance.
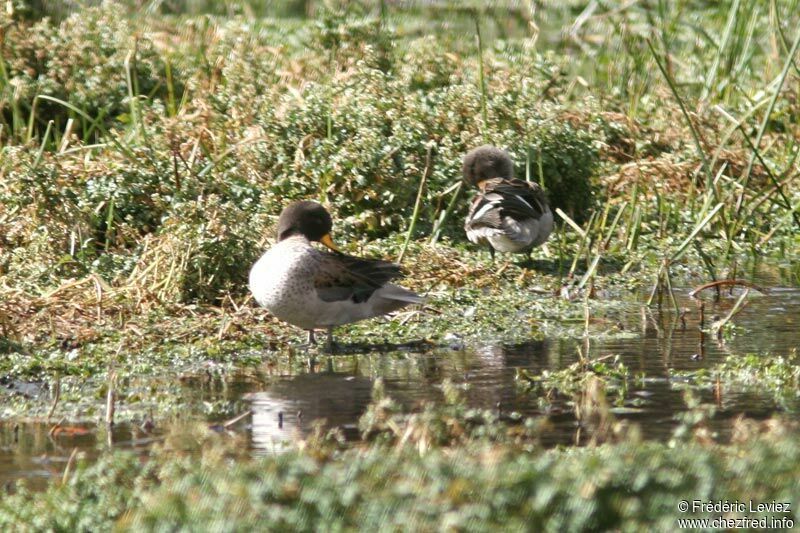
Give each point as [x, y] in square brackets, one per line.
[146, 149]
[774, 375]
[447, 467]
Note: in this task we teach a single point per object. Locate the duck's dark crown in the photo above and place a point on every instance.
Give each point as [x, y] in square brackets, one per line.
[306, 218]
[487, 162]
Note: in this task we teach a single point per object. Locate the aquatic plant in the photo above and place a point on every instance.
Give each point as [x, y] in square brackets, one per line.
[144, 155]
[479, 484]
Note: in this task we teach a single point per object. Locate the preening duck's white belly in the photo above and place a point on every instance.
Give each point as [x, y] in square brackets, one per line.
[503, 243]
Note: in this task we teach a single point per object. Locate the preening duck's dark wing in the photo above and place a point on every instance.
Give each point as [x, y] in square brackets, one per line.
[518, 199]
[344, 277]
[484, 212]
[505, 198]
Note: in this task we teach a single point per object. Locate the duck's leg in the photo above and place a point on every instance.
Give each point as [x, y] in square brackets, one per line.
[528, 263]
[329, 342]
[311, 339]
[491, 253]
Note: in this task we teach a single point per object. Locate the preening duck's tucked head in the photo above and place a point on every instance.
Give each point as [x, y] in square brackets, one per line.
[487, 162]
[308, 219]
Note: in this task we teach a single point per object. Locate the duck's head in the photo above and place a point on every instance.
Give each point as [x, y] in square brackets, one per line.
[308, 219]
[487, 162]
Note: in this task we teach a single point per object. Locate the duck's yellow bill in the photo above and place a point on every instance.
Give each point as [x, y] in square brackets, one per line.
[328, 241]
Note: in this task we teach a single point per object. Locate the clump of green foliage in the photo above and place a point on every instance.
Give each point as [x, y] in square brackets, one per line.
[175, 124]
[93, 61]
[452, 423]
[564, 158]
[775, 375]
[574, 378]
[482, 482]
[205, 247]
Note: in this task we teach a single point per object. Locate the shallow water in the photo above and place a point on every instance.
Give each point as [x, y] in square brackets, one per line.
[287, 402]
[652, 345]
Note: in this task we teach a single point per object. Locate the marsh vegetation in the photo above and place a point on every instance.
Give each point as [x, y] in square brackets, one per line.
[146, 149]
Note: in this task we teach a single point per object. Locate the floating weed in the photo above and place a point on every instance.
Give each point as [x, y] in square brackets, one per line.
[777, 375]
[578, 378]
[772, 371]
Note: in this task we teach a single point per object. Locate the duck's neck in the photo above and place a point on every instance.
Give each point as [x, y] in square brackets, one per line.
[295, 238]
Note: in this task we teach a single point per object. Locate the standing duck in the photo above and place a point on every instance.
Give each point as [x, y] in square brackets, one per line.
[508, 214]
[312, 288]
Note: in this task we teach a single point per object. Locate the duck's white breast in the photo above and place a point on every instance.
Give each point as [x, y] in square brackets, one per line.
[282, 281]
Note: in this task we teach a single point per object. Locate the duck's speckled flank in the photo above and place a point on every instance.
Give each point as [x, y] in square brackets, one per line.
[283, 281]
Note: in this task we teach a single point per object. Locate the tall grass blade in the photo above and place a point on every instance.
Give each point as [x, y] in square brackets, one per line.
[31, 120]
[417, 203]
[590, 272]
[566, 218]
[437, 230]
[67, 134]
[775, 95]
[481, 74]
[614, 223]
[692, 128]
[726, 35]
[171, 109]
[94, 122]
[46, 138]
[697, 229]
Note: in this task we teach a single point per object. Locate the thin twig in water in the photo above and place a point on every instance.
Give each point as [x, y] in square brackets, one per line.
[55, 428]
[727, 282]
[55, 399]
[237, 419]
[111, 398]
[737, 307]
[70, 462]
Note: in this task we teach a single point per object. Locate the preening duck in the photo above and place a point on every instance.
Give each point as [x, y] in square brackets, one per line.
[315, 289]
[508, 214]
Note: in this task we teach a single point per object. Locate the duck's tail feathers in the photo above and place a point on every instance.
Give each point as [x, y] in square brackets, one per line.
[401, 294]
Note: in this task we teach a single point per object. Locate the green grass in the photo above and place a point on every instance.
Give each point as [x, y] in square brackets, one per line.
[146, 153]
[458, 469]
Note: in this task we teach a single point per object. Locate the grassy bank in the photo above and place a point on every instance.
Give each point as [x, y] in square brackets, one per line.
[146, 153]
[145, 158]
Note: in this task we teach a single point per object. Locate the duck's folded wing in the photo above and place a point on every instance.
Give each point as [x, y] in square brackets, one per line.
[484, 212]
[343, 277]
[517, 199]
[502, 199]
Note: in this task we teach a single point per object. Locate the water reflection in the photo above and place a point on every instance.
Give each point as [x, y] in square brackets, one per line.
[653, 345]
[289, 408]
[287, 399]
[38, 451]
